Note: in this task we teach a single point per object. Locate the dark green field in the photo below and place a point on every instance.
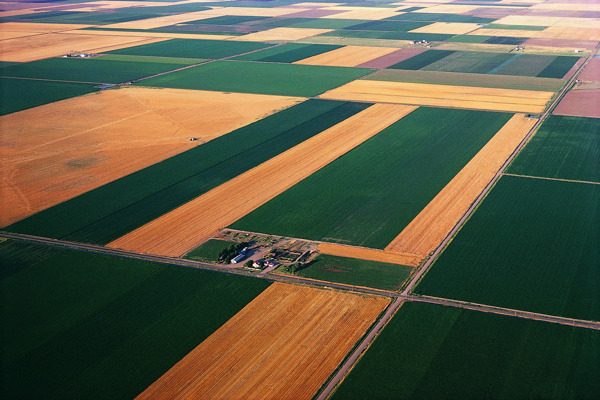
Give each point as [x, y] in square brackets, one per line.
[559, 67]
[433, 352]
[110, 211]
[393, 26]
[432, 17]
[367, 196]
[526, 65]
[469, 61]
[352, 271]
[263, 78]
[469, 39]
[422, 60]
[21, 94]
[532, 245]
[391, 35]
[79, 325]
[288, 53]
[209, 250]
[564, 147]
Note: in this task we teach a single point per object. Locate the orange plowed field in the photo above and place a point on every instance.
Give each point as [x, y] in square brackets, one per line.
[283, 345]
[348, 56]
[363, 253]
[437, 219]
[477, 98]
[57, 151]
[204, 216]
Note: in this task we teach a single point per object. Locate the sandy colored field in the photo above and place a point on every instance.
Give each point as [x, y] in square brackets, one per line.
[13, 13]
[449, 9]
[363, 253]
[11, 35]
[436, 220]
[283, 34]
[57, 151]
[368, 13]
[31, 27]
[552, 32]
[157, 36]
[348, 56]
[491, 48]
[283, 345]
[450, 28]
[31, 48]
[442, 96]
[569, 22]
[202, 217]
[567, 6]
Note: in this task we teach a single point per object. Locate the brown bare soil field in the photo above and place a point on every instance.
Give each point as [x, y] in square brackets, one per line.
[591, 72]
[566, 43]
[363, 253]
[348, 56]
[283, 345]
[450, 28]
[202, 217]
[54, 152]
[580, 103]
[442, 96]
[31, 48]
[437, 219]
[282, 34]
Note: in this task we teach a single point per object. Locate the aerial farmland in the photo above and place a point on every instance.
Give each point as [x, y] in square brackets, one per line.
[287, 199]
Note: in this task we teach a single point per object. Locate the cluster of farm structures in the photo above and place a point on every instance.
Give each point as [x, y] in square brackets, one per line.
[413, 186]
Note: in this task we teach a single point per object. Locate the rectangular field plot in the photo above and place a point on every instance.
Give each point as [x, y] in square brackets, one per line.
[367, 196]
[430, 352]
[469, 61]
[264, 78]
[288, 53]
[21, 94]
[564, 148]
[348, 56]
[531, 245]
[74, 321]
[110, 211]
[283, 345]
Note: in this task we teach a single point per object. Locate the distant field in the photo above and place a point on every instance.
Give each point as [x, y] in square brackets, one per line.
[422, 60]
[81, 325]
[367, 196]
[106, 213]
[558, 67]
[209, 250]
[438, 17]
[531, 245]
[431, 352]
[352, 271]
[21, 94]
[264, 78]
[288, 53]
[469, 61]
[564, 148]
[392, 35]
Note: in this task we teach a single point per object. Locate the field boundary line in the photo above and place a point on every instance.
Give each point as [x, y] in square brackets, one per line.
[551, 179]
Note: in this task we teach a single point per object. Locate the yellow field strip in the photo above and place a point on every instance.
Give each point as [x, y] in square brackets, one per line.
[348, 56]
[282, 345]
[283, 34]
[363, 253]
[436, 220]
[442, 96]
[203, 217]
[32, 27]
[450, 28]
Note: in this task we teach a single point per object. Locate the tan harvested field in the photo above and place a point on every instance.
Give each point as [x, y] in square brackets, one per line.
[11, 35]
[202, 217]
[565, 22]
[368, 13]
[478, 98]
[156, 36]
[450, 28]
[348, 56]
[490, 48]
[436, 220]
[283, 34]
[283, 345]
[552, 32]
[567, 6]
[31, 27]
[449, 9]
[363, 253]
[54, 152]
[31, 48]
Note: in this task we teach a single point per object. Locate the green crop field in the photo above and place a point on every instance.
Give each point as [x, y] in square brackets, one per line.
[263, 78]
[352, 271]
[288, 53]
[564, 148]
[436, 17]
[209, 250]
[422, 60]
[526, 65]
[469, 39]
[468, 61]
[532, 245]
[110, 211]
[80, 325]
[96, 69]
[192, 48]
[21, 94]
[558, 67]
[391, 35]
[432, 352]
[518, 27]
[367, 196]
[392, 26]
[325, 23]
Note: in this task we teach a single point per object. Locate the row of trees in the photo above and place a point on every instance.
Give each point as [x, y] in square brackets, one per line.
[233, 250]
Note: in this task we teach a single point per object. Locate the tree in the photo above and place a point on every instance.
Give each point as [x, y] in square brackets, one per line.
[249, 264]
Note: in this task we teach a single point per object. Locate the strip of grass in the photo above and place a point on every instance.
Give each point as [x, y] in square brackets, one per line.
[96, 69]
[79, 325]
[559, 67]
[564, 147]
[352, 271]
[209, 251]
[517, 27]
[288, 53]
[432, 17]
[390, 35]
[21, 94]
[367, 196]
[192, 48]
[466, 79]
[469, 61]
[263, 78]
[108, 212]
[469, 39]
[531, 245]
[433, 352]
[422, 60]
